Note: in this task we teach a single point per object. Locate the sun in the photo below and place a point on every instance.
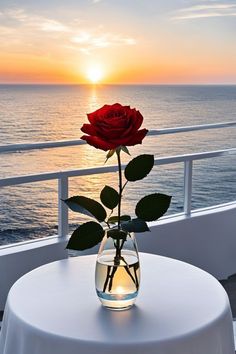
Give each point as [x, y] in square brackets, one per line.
[94, 74]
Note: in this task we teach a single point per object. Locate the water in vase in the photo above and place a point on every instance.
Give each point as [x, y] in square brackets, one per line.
[117, 284]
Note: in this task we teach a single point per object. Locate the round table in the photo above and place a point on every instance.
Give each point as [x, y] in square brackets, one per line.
[180, 310]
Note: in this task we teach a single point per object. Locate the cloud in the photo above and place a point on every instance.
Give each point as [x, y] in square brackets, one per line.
[5, 30]
[88, 41]
[26, 29]
[209, 9]
[20, 18]
[53, 26]
[16, 14]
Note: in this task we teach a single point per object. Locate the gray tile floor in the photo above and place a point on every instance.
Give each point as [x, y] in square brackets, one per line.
[1, 314]
[230, 287]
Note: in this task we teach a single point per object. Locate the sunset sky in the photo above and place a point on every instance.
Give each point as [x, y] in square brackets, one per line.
[118, 41]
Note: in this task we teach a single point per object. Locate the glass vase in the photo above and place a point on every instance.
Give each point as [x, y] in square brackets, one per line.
[117, 274]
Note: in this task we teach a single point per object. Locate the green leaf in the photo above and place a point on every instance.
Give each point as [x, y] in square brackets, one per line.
[135, 225]
[109, 197]
[125, 149]
[117, 234]
[110, 154]
[153, 206]
[86, 206]
[114, 219]
[86, 236]
[139, 167]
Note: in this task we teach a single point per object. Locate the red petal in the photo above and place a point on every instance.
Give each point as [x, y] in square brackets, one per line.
[88, 129]
[137, 119]
[107, 111]
[138, 137]
[135, 138]
[114, 125]
[98, 143]
[101, 112]
[92, 117]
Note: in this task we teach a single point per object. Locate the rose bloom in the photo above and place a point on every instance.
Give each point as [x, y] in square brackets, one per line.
[112, 126]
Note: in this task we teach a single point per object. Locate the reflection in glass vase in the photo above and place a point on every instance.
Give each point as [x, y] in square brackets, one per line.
[118, 272]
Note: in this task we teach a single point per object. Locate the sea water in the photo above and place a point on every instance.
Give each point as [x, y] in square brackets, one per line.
[33, 113]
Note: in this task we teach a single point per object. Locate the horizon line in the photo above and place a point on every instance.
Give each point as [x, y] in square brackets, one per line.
[115, 84]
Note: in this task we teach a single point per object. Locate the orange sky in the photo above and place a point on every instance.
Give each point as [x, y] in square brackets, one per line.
[156, 42]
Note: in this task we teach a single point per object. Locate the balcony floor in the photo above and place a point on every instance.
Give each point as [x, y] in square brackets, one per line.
[230, 287]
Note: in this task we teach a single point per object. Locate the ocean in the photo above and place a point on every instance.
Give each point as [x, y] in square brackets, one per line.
[34, 113]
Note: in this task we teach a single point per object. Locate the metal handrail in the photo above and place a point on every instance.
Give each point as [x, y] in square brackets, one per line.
[63, 176]
[64, 143]
[10, 181]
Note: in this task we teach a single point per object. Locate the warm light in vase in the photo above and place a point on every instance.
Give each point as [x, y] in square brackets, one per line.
[120, 290]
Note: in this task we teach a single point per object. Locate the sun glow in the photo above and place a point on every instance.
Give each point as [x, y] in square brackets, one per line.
[94, 74]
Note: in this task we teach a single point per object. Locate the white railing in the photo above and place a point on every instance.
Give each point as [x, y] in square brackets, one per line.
[64, 143]
[63, 176]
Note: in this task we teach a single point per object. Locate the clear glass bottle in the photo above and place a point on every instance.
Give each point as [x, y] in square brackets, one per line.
[117, 274]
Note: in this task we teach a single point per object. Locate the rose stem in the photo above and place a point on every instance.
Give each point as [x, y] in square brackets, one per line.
[111, 278]
[129, 273]
[107, 278]
[117, 256]
[135, 274]
[120, 186]
[117, 244]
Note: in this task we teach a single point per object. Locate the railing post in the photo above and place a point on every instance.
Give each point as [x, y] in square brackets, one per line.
[188, 173]
[63, 226]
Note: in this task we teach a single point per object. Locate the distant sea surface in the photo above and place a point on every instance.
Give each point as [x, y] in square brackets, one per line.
[35, 113]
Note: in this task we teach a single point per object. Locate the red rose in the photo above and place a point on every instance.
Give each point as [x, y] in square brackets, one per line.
[112, 126]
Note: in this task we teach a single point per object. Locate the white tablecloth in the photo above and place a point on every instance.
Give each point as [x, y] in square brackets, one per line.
[54, 310]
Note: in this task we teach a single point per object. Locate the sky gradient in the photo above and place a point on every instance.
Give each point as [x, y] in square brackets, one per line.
[127, 41]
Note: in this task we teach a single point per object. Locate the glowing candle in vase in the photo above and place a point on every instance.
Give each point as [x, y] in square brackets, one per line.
[120, 291]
